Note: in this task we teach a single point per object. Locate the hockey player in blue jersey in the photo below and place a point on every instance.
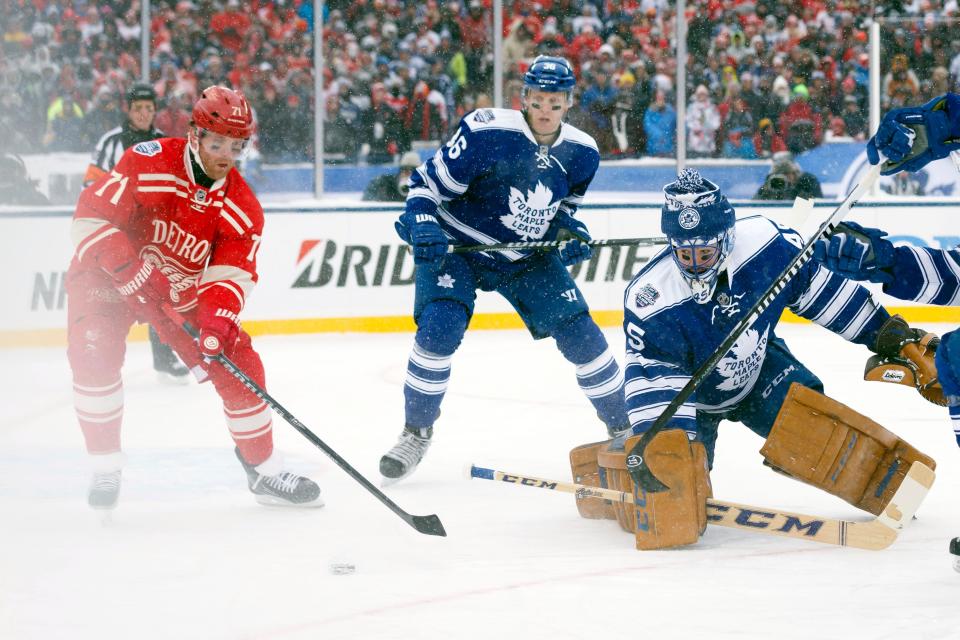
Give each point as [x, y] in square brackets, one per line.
[931, 276]
[504, 176]
[678, 310]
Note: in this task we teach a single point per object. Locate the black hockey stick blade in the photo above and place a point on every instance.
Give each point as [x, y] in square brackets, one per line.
[638, 469]
[429, 525]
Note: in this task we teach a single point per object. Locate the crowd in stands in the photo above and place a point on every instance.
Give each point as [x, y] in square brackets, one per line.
[762, 75]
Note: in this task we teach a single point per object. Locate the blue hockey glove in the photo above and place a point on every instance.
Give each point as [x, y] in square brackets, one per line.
[573, 236]
[857, 253]
[423, 233]
[939, 121]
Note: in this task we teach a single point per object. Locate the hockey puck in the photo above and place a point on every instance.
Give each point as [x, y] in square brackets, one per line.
[342, 568]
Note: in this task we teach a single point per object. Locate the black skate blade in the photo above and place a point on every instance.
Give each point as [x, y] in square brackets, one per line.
[429, 525]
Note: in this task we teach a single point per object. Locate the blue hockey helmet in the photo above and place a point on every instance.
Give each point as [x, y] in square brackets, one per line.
[549, 73]
[699, 222]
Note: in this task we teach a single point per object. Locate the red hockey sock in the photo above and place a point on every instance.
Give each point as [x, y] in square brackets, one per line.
[252, 431]
[100, 414]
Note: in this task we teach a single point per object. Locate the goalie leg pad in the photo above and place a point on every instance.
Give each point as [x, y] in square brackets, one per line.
[822, 442]
[669, 518]
[586, 470]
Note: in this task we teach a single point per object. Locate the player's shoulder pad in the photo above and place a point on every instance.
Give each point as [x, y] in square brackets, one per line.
[754, 234]
[148, 148]
[578, 136]
[493, 119]
[657, 287]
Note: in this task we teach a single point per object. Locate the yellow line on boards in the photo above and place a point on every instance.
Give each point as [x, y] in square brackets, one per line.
[395, 324]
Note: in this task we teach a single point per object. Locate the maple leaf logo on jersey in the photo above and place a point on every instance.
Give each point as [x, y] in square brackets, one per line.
[742, 364]
[530, 215]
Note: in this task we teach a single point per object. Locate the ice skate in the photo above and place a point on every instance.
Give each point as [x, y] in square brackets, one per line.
[271, 485]
[404, 457]
[104, 490]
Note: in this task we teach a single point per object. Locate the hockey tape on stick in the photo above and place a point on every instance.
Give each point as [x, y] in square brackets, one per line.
[542, 245]
[636, 464]
[872, 535]
[429, 525]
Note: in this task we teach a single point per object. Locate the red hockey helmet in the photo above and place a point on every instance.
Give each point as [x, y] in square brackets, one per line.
[224, 111]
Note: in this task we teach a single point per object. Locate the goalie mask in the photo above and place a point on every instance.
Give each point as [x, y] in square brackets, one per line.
[699, 223]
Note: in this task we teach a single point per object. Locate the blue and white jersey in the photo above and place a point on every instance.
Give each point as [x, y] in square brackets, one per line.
[669, 335]
[931, 276]
[491, 182]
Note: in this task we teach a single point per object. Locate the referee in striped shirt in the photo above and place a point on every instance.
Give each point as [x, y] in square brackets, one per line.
[141, 110]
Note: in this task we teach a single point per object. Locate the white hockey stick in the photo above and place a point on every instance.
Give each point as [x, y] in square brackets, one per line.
[874, 535]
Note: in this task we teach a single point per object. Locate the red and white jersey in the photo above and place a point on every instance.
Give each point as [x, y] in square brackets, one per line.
[204, 240]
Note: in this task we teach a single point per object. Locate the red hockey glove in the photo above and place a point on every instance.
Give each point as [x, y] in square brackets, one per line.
[219, 329]
[140, 283]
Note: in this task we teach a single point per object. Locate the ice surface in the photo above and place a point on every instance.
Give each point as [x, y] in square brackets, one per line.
[189, 554]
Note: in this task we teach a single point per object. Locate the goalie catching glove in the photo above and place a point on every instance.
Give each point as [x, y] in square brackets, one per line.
[906, 356]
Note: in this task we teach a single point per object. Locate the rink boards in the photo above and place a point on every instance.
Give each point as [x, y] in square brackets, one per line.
[341, 267]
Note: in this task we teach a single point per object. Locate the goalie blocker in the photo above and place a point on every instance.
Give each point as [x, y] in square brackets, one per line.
[814, 439]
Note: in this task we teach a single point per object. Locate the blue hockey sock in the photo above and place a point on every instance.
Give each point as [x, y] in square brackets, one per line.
[440, 329]
[598, 374]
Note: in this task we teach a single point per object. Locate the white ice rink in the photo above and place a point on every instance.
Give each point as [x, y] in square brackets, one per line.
[190, 555]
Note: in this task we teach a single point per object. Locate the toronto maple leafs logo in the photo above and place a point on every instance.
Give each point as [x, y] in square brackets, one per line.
[446, 281]
[646, 296]
[689, 218]
[530, 214]
[741, 365]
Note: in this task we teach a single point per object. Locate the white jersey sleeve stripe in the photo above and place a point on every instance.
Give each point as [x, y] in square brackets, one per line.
[233, 223]
[228, 273]
[90, 241]
[931, 277]
[233, 207]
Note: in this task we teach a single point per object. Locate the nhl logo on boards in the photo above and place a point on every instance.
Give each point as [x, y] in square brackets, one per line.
[149, 148]
[688, 218]
[646, 296]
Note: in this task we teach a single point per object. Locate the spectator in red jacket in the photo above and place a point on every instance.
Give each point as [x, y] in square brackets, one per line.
[798, 113]
[230, 26]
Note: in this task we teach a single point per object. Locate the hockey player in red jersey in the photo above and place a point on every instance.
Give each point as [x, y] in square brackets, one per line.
[173, 226]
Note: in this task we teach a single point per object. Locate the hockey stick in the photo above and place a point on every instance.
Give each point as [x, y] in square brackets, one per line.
[552, 244]
[636, 464]
[429, 525]
[873, 535]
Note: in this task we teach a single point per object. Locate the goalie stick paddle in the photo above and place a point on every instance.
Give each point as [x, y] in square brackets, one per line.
[636, 464]
[872, 535]
[552, 244]
[429, 525]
